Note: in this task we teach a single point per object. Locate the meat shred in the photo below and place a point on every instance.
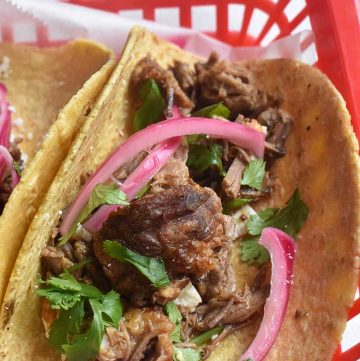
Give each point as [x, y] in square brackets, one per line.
[230, 83]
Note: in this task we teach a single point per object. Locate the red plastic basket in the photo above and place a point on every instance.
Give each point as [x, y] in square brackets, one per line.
[335, 24]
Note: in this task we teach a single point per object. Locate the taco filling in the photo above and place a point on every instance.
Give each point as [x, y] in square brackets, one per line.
[144, 265]
[10, 154]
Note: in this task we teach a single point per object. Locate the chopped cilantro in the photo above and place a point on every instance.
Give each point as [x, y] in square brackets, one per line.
[79, 265]
[152, 268]
[65, 291]
[235, 204]
[153, 105]
[289, 219]
[175, 317]
[206, 336]
[253, 252]
[215, 110]
[142, 191]
[66, 331]
[102, 194]
[254, 174]
[17, 168]
[202, 156]
[186, 354]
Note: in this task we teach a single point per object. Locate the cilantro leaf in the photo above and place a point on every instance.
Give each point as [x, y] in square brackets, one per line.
[58, 299]
[102, 194]
[65, 291]
[152, 268]
[86, 346]
[254, 174]
[17, 168]
[186, 354]
[175, 317]
[79, 265]
[259, 221]
[153, 105]
[289, 219]
[215, 110]
[112, 307]
[206, 336]
[66, 325]
[201, 157]
[253, 252]
[235, 204]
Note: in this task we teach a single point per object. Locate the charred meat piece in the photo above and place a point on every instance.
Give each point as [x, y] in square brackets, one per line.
[185, 76]
[143, 327]
[149, 69]
[279, 124]
[230, 83]
[183, 225]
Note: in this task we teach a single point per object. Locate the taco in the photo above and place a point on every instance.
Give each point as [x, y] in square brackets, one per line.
[157, 247]
[45, 96]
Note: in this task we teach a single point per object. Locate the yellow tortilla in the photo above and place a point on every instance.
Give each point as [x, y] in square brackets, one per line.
[52, 91]
[322, 162]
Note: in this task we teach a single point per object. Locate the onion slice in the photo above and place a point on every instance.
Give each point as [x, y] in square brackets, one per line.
[6, 161]
[5, 117]
[143, 173]
[282, 251]
[238, 134]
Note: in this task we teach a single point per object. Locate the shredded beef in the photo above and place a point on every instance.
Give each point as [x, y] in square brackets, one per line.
[5, 185]
[174, 173]
[231, 309]
[149, 69]
[230, 83]
[230, 185]
[279, 124]
[144, 326]
[185, 76]
[54, 260]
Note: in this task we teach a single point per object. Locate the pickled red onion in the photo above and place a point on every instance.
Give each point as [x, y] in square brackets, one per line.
[238, 134]
[6, 161]
[282, 251]
[144, 172]
[5, 117]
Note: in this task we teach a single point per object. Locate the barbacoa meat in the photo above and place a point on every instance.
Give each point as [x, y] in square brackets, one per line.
[149, 69]
[230, 83]
[5, 185]
[183, 225]
[278, 123]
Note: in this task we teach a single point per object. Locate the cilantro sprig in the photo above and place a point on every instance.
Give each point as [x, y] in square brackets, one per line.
[289, 219]
[235, 204]
[254, 174]
[186, 354]
[152, 268]
[153, 106]
[215, 110]
[207, 336]
[71, 333]
[203, 156]
[102, 194]
[175, 316]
